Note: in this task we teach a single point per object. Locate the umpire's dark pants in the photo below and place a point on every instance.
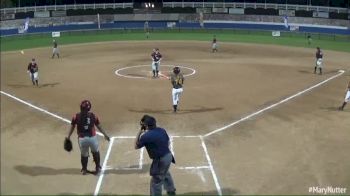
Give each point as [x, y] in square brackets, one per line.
[161, 175]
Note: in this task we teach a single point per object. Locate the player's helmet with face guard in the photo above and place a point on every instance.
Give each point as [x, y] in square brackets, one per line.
[176, 70]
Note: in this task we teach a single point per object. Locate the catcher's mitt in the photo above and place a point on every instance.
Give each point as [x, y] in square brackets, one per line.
[68, 146]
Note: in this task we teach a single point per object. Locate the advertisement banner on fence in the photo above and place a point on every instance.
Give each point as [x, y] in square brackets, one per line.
[286, 12]
[58, 13]
[236, 11]
[220, 10]
[276, 33]
[294, 28]
[41, 14]
[316, 14]
[7, 16]
[56, 34]
[203, 10]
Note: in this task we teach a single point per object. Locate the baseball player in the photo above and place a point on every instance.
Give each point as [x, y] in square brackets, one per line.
[347, 97]
[55, 50]
[319, 60]
[214, 46]
[33, 71]
[177, 80]
[86, 122]
[146, 28]
[156, 58]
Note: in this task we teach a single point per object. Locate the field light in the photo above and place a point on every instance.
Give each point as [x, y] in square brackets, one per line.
[149, 5]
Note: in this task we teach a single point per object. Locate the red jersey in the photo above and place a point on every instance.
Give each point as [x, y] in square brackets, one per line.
[156, 56]
[85, 124]
[319, 54]
[33, 67]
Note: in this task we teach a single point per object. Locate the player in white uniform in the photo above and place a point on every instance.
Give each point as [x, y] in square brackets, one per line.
[177, 80]
[347, 98]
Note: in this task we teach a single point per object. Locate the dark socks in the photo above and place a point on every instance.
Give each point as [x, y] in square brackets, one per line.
[342, 107]
[96, 156]
[175, 108]
[84, 162]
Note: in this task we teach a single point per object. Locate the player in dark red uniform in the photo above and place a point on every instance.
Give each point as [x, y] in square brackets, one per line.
[86, 122]
[156, 57]
[33, 72]
[214, 46]
[319, 60]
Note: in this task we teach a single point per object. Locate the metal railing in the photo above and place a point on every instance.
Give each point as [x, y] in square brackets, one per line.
[65, 7]
[255, 5]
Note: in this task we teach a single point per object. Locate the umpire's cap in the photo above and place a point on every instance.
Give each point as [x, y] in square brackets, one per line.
[150, 121]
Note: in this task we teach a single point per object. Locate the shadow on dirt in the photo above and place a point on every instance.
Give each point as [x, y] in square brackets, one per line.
[31, 85]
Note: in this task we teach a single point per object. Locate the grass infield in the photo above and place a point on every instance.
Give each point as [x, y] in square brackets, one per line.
[327, 42]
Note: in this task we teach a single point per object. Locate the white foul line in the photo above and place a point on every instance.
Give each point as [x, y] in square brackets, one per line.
[99, 182]
[211, 167]
[35, 107]
[40, 109]
[273, 105]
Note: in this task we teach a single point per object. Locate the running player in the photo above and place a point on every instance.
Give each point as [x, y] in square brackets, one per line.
[347, 97]
[33, 71]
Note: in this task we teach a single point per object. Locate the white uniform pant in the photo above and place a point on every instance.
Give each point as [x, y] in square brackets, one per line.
[88, 142]
[155, 65]
[176, 95]
[55, 51]
[319, 63]
[347, 96]
[214, 46]
[34, 76]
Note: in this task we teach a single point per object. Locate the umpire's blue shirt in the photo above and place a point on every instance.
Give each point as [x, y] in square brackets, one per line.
[156, 142]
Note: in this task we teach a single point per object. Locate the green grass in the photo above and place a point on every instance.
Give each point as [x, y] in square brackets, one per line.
[329, 42]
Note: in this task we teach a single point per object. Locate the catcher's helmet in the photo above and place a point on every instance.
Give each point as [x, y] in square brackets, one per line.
[85, 105]
[150, 121]
[176, 70]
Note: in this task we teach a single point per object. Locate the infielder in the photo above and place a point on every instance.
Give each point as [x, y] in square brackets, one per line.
[33, 71]
[347, 97]
[86, 122]
[156, 58]
[319, 60]
[55, 50]
[214, 45]
[177, 80]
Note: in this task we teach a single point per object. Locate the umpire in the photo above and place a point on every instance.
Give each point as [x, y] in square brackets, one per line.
[156, 141]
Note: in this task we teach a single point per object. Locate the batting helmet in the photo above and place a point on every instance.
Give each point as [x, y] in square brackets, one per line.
[85, 105]
[176, 70]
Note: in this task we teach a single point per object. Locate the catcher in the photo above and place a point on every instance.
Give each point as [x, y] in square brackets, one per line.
[86, 122]
[177, 80]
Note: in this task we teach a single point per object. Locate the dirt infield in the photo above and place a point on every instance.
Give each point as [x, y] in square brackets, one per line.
[300, 143]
